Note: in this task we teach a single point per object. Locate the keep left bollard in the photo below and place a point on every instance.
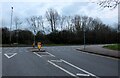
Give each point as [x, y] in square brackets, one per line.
[33, 45]
[39, 45]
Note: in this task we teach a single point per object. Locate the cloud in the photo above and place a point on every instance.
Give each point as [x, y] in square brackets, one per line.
[24, 9]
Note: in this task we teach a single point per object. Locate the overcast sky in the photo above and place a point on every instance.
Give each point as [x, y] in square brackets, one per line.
[26, 8]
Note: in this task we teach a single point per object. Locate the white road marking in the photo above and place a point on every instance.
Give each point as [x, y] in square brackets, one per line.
[61, 60]
[50, 54]
[56, 60]
[78, 74]
[37, 54]
[79, 68]
[13, 54]
[62, 68]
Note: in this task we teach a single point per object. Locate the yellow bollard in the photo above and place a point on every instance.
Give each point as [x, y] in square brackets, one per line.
[39, 45]
[33, 45]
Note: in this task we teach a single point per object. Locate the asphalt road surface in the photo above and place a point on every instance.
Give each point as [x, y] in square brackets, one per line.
[57, 61]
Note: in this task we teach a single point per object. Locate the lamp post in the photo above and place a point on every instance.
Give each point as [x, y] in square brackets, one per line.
[11, 23]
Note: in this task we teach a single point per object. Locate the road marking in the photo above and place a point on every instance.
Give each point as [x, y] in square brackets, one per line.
[62, 69]
[10, 56]
[50, 54]
[78, 74]
[37, 54]
[56, 60]
[79, 68]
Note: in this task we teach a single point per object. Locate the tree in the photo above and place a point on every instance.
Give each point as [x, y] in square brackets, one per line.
[62, 21]
[52, 17]
[32, 21]
[5, 36]
[109, 3]
[40, 22]
[17, 23]
[77, 23]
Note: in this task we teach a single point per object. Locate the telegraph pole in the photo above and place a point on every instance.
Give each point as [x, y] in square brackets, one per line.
[11, 23]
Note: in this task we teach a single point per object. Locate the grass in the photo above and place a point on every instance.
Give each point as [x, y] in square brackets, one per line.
[113, 47]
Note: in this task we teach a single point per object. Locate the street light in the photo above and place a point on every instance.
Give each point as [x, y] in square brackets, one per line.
[11, 23]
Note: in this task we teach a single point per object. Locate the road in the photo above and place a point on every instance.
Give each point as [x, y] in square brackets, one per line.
[57, 61]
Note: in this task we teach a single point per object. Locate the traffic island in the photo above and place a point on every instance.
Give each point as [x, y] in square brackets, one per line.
[99, 50]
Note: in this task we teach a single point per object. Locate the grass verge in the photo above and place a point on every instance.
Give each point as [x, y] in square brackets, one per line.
[113, 47]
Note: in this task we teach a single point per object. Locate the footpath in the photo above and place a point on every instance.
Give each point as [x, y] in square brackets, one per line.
[98, 49]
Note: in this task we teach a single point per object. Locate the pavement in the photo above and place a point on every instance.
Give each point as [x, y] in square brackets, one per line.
[57, 61]
[98, 49]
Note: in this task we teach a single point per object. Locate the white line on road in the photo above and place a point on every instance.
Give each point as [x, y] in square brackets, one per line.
[62, 69]
[56, 60]
[50, 54]
[13, 54]
[79, 68]
[78, 74]
[37, 54]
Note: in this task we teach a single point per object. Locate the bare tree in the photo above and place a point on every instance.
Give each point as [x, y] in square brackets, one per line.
[32, 21]
[69, 22]
[40, 23]
[62, 21]
[18, 22]
[36, 23]
[109, 3]
[77, 22]
[52, 17]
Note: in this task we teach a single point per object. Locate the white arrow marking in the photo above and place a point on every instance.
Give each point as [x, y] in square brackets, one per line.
[10, 55]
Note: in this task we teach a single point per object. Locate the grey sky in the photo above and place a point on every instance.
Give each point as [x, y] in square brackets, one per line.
[24, 9]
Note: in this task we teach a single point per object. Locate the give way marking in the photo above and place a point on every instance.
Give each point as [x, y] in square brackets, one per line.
[10, 55]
